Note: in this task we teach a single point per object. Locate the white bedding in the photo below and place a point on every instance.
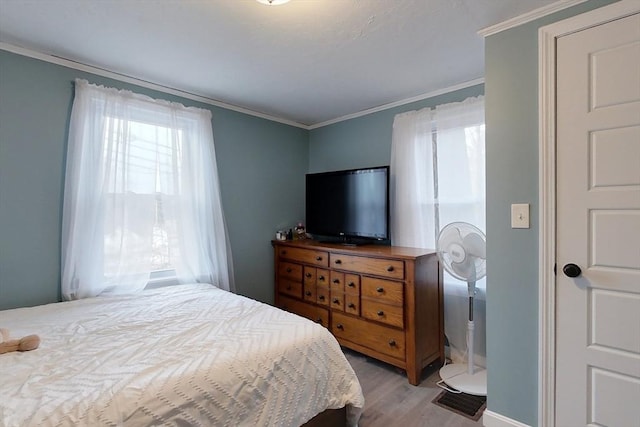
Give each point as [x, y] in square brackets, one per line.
[182, 355]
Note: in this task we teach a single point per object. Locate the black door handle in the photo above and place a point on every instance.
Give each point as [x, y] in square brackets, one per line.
[571, 270]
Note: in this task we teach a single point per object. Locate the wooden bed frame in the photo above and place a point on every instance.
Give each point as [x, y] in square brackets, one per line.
[329, 418]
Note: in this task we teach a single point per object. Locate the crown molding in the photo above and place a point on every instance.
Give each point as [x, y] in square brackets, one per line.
[400, 103]
[529, 16]
[58, 60]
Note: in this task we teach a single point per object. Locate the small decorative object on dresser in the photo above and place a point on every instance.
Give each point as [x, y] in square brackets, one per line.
[383, 301]
[299, 232]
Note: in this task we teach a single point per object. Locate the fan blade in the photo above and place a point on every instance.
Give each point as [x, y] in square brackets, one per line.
[449, 236]
[475, 245]
[464, 270]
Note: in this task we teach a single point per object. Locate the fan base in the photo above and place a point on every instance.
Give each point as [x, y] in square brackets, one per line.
[456, 376]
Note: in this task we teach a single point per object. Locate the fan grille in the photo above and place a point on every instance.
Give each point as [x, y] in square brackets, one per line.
[462, 251]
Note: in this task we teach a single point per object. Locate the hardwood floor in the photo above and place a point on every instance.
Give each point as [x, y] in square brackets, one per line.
[390, 401]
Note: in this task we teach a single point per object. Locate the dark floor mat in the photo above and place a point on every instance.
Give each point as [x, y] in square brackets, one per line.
[467, 405]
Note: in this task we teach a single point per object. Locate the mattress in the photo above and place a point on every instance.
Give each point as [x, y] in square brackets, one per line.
[183, 355]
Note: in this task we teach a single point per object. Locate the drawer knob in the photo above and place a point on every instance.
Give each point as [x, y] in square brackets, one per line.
[352, 305]
[318, 258]
[308, 275]
[338, 261]
[288, 269]
[308, 293]
[283, 252]
[321, 297]
[392, 343]
[390, 268]
[336, 301]
[351, 285]
[339, 326]
[321, 278]
[336, 281]
[380, 313]
[319, 320]
[380, 289]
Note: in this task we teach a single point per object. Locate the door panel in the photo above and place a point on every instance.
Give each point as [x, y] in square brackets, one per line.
[614, 157]
[610, 83]
[612, 399]
[609, 310]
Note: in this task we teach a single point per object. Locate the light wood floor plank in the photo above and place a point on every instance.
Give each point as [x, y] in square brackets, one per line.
[390, 401]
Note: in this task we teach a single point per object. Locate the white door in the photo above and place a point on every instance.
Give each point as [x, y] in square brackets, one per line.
[597, 363]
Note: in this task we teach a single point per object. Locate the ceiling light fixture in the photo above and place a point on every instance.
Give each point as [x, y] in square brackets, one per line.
[272, 2]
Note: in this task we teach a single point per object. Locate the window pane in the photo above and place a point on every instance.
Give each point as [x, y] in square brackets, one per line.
[143, 164]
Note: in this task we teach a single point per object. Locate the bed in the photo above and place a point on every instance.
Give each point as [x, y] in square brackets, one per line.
[182, 355]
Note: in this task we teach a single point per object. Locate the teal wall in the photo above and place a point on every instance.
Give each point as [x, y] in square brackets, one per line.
[511, 109]
[261, 165]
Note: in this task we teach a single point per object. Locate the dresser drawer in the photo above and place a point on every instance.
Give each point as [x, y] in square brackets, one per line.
[290, 270]
[322, 277]
[337, 301]
[385, 291]
[390, 314]
[352, 284]
[310, 293]
[307, 256]
[290, 287]
[317, 314]
[309, 275]
[379, 338]
[337, 281]
[352, 304]
[391, 268]
[322, 294]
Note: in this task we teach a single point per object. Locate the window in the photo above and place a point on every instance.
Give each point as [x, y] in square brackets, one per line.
[152, 156]
[438, 177]
[142, 202]
[437, 171]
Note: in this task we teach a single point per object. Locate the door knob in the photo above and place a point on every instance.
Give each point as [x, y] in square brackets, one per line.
[571, 270]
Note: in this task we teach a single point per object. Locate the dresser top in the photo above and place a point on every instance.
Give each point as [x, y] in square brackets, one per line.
[369, 250]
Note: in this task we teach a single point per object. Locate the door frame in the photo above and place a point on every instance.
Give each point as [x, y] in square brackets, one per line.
[547, 38]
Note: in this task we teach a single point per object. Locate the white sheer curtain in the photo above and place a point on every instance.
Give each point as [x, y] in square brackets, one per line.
[461, 162]
[142, 197]
[438, 177]
[411, 182]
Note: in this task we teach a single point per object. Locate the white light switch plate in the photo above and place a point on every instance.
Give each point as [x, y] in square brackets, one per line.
[520, 215]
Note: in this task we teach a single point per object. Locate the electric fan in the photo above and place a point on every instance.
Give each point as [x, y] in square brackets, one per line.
[462, 251]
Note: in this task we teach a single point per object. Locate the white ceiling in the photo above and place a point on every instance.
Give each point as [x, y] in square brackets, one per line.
[307, 62]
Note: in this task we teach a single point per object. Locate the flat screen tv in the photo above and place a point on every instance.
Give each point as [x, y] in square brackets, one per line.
[348, 204]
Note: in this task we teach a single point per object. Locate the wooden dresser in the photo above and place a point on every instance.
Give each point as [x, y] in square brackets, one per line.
[383, 301]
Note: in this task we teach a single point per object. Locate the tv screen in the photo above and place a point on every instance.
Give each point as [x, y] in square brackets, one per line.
[349, 203]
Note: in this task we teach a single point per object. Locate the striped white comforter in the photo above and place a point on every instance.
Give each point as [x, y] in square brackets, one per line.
[183, 355]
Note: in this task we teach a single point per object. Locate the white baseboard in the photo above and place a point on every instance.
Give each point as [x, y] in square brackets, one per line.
[493, 419]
